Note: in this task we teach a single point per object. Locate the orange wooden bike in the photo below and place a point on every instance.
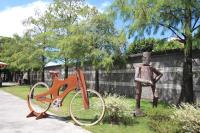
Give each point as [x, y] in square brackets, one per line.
[86, 108]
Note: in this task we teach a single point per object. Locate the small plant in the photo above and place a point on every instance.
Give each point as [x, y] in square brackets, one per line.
[189, 117]
[117, 110]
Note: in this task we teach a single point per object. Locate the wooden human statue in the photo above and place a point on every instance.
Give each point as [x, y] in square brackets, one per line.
[145, 75]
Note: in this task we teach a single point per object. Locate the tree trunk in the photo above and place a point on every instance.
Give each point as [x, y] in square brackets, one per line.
[66, 68]
[66, 74]
[29, 77]
[97, 80]
[43, 67]
[187, 85]
[42, 74]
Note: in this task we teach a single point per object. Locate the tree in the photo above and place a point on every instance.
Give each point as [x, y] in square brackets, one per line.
[3, 41]
[41, 33]
[65, 13]
[18, 52]
[10, 52]
[94, 42]
[105, 42]
[181, 17]
[84, 36]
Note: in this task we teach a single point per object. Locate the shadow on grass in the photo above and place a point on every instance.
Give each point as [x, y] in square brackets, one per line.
[126, 121]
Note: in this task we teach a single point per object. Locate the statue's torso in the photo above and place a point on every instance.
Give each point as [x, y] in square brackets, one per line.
[146, 72]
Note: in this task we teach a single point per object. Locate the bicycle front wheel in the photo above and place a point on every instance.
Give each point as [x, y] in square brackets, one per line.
[36, 105]
[90, 116]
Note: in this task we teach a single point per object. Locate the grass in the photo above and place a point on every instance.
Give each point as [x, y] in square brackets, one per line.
[140, 124]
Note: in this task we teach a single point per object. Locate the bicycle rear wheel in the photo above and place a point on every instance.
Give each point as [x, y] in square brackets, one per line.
[36, 105]
[91, 116]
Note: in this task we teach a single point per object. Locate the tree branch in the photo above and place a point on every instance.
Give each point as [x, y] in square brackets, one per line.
[173, 29]
[196, 27]
[195, 23]
[172, 13]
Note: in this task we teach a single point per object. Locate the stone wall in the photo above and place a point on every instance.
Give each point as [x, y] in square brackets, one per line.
[122, 81]
[171, 66]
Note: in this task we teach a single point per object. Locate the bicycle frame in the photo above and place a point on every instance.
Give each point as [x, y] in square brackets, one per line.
[73, 81]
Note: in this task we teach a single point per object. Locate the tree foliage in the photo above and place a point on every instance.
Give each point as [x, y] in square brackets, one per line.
[148, 16]
[65, 14]
[41, 34]
[181, 17]
[83, 35]
[68, 30]
[104, 40]
[18, 52]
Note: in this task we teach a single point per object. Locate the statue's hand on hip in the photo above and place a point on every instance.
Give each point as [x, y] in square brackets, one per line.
[150, 83]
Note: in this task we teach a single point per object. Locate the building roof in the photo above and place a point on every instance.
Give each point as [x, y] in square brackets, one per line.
[49, 64]
[2, 64]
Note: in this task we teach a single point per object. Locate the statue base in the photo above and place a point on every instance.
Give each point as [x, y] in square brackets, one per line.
[138, 113]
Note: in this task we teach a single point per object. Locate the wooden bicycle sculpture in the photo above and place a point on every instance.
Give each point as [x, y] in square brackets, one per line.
[86, 108]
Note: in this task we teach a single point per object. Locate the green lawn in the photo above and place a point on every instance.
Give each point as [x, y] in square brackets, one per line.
[140, 124]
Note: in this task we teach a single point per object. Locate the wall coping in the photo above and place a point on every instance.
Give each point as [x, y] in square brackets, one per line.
[166, 53]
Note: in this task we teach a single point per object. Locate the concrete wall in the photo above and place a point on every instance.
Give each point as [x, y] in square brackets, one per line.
[122, 81]
[171, 67]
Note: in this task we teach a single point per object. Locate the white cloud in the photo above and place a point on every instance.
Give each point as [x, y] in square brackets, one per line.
[12, 17]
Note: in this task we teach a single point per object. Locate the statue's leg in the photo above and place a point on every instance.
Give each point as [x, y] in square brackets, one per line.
[138, 91]
[155, 95]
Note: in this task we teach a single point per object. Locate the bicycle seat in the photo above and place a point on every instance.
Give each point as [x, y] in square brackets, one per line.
[54, 72]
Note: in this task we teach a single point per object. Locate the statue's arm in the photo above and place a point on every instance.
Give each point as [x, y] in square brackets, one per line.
[158, 75]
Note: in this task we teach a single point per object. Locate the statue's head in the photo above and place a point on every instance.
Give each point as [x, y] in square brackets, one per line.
[146, 58]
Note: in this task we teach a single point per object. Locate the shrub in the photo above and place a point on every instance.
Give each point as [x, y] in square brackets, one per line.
[139, 46]
[162, 46]
[154, 45]
[189, 117]
[161, 122]
[117, 110]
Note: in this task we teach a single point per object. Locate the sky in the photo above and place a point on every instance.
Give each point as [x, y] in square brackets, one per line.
[14, 12]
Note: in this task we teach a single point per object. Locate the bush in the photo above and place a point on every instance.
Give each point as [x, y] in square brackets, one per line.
[139, 46]
[161, 122]
[153, 45]
[117, 110]
[189, 117]
[163, 46]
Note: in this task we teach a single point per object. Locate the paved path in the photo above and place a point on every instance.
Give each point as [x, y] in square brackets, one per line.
[13, 111]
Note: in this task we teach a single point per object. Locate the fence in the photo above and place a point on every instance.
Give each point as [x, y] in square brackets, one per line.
[122, 81]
